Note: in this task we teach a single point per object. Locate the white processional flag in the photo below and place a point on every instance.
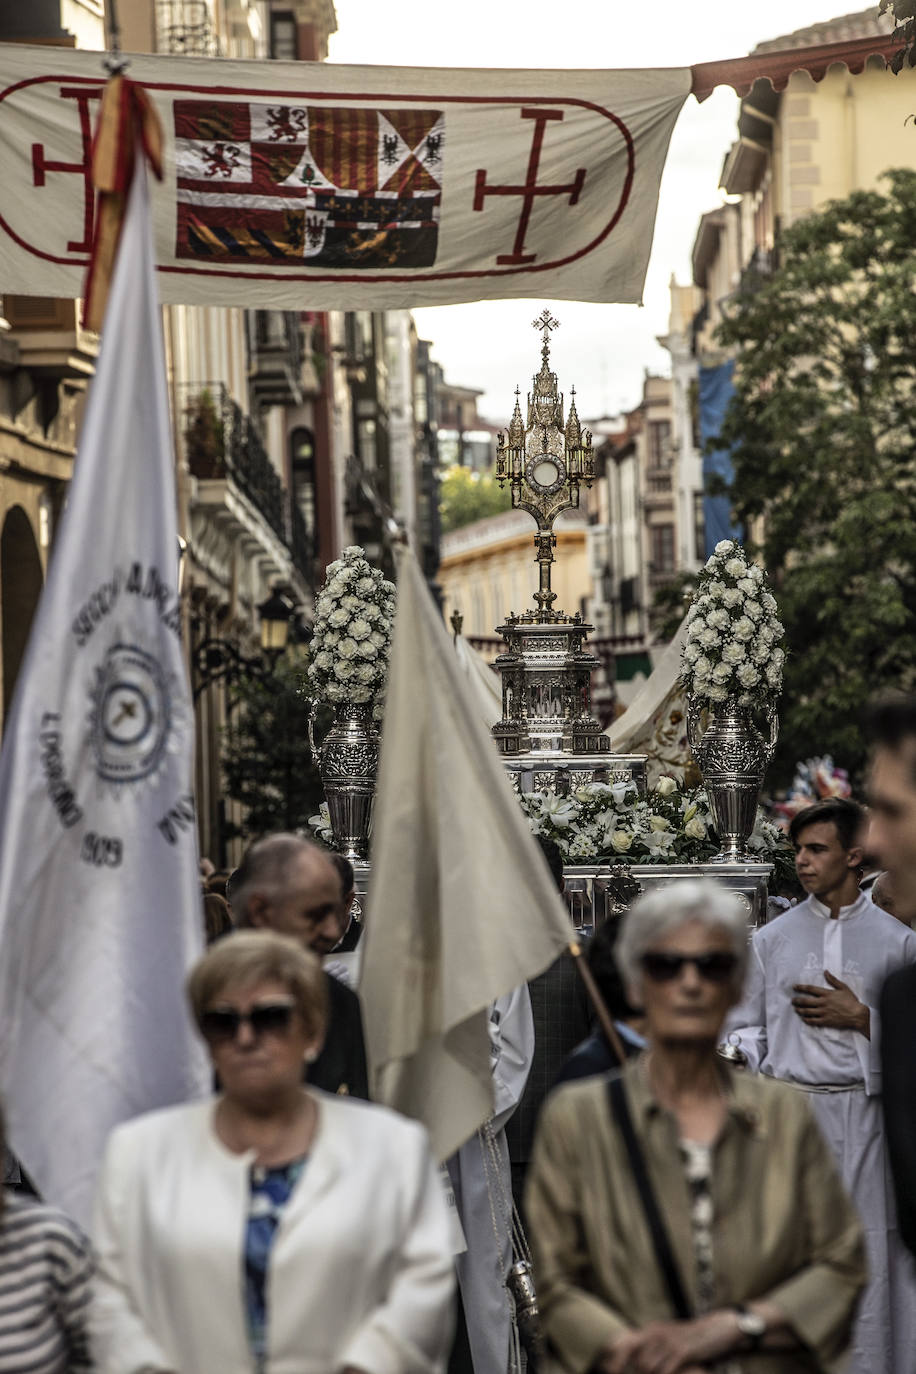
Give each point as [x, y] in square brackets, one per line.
[462, 907]
[99, 890]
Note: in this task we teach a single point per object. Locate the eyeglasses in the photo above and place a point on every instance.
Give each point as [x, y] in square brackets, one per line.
[663, 966]
[221, 1024]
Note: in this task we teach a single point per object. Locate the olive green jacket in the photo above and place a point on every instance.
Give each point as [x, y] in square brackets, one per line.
[784, 1228]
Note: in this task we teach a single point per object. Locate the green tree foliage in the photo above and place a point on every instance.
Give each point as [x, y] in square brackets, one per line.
[466, 496]
[267, 763]
[823, 431]
[904, 11]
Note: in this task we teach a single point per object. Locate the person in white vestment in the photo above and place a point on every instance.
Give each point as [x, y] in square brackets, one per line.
[481, 1177]
[809, 1016]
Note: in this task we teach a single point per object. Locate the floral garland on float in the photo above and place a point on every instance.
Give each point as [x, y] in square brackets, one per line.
[732, 669]
[611, 823]
[348, 671]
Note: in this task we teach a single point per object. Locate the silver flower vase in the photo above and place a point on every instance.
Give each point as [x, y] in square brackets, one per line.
[348, 764]
[733, 756]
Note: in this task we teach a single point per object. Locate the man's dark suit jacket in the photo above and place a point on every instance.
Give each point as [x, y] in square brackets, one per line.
[561, 1013]
[341, 1065]
[898, 1087]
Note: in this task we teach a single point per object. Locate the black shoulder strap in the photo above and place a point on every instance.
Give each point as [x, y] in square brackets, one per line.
[661, 1244]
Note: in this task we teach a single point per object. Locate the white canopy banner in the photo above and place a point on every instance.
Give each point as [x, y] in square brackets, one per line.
[298, 185]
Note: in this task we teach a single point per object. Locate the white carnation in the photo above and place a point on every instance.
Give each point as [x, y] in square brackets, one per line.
[697, 628]
[724, 546]
[753, 609]
[733, 652]
[702, 667]
[351, 604]
[755, 573]
[716, 589]
[731, 596]
[335, 692]
[743, 628]
[366, 672]
[779, 657]
[691, 652]
[377, 639]
[769, 602]
[343, 670]
[747, 586]
[708, 638]
[774, 674]
[361, 695]
[736, 567]
[366, 585]
[339, 617]
[722, 672]
[766, 635]
[761, 651]
[371, 613]
[716, 693]
[368, 650]
[347, 648]
[748, 675]
[718, 619]
[360, 628]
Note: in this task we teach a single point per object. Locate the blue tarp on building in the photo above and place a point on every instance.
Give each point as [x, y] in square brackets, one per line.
[715, 393]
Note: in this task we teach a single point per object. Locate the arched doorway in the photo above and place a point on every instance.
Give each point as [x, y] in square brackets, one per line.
[20, 587]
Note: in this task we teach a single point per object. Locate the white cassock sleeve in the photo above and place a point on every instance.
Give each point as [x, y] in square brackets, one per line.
[511, 1051]
[747, 1022]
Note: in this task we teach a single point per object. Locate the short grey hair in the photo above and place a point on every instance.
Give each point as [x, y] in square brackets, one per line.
[655, 914]
[265, 870]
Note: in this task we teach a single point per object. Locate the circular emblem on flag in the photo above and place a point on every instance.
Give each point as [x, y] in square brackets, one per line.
[131, 718]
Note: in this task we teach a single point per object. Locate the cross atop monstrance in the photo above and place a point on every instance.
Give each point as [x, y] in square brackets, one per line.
[544, 461]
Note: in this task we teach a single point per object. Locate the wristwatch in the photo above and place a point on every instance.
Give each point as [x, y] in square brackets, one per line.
[751, 1325]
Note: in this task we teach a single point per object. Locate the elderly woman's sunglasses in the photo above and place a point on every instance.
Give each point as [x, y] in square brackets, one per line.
[221, 1024]
[663, 966]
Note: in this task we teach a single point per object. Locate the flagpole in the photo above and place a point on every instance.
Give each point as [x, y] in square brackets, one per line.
[114, 63]
[598, 1002]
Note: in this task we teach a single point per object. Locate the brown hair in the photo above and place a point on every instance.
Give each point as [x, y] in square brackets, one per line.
[254, 956]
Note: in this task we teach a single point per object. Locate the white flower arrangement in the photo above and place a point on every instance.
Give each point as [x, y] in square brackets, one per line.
[352, 638]
[733, 636]
[602, 823]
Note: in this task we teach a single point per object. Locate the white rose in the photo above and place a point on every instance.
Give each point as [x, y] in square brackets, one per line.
[347, 648]
[695, 829]
[724, 546]
[733, 653]
[748, 675]
[620, 841]
[722, 672]
[665, 786]
[339, 617]
[718, 619]
[743, 628]
[736, 567]
[731, 596]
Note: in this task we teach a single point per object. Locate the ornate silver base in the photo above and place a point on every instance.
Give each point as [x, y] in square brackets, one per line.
[591, 889]
[557, 772]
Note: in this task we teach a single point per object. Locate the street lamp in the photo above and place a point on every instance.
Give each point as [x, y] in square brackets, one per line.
[217, 659]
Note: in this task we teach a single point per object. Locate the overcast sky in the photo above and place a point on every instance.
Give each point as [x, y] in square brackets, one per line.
[602, 349]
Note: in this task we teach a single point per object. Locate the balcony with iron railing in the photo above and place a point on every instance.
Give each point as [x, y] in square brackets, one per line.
[223, 446]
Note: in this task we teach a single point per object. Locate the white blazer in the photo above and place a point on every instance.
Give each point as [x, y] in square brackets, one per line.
[360, 1270]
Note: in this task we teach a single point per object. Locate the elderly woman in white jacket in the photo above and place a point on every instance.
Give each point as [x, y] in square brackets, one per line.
[272, 1228]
